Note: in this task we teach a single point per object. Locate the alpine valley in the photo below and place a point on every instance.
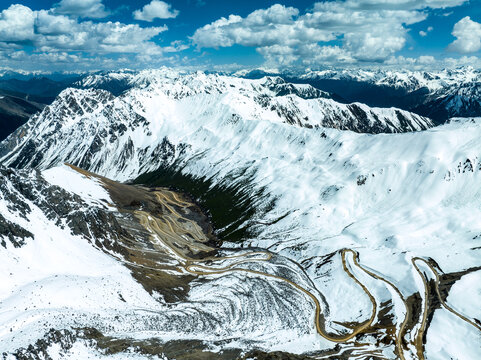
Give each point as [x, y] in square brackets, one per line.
[164, 214]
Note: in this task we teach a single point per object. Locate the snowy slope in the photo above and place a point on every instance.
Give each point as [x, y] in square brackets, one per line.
[264, 91]
[54, 277]
[396, 199]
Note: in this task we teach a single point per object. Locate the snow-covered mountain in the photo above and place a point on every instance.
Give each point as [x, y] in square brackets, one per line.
[455, 100]
[121, 126]
[437, 94]
[374, 240]
[82, 278]
[115, 82]
[401, 79]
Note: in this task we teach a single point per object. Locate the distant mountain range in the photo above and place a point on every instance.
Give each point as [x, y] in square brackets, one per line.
[22, 95]
[438, 95]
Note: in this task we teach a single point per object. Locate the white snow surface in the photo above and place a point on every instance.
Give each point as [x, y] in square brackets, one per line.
[469, 286]
[391, 197]
[90, 189]
[57, 279]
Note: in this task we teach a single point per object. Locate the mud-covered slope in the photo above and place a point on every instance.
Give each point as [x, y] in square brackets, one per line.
[90, 265]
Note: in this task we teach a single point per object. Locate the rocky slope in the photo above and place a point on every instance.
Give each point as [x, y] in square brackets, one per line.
[14, 112]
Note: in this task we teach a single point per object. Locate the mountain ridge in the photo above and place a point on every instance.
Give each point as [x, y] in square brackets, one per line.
[146, 106]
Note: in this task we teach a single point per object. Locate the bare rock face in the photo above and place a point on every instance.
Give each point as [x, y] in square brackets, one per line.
[13, 232]
[24, 189]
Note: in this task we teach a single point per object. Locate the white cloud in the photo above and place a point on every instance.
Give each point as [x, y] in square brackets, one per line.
[155, 10]
[402, 4]
[67, 41]
[59, 60]
[409, 61]
[175, 46]
[16, 24]
[83, 8]
[48, 24]
[468, 36]
[430, 62]
[330, 33]
[216, 34]
[49, 32]
[307, 54]
[277, 25]
[279, 31]
[463, 61]
[107, 37]
[57, 57]
[426, 59]
[425, 33]
[356, 30]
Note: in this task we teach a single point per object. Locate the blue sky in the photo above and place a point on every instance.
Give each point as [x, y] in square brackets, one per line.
[68, 35]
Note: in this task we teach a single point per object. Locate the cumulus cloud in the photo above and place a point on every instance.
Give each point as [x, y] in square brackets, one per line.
[107, 37]
[16, 24]
[355, 30]
[48, 31]
[155, 10]
[40, 39]
[281, 32]
[306, 54]
[277, 25]
[468, 36]
[430, 62]
[409, 61]
[66, 61]
[463, 61]
[82, 8]
[329, 33]
[48, 24]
